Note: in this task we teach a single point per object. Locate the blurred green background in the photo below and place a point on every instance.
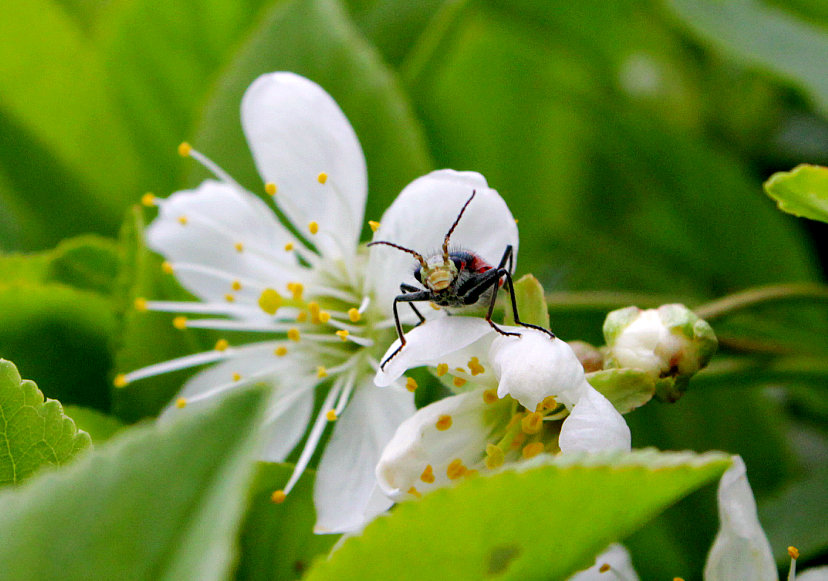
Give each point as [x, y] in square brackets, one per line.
[630, 139]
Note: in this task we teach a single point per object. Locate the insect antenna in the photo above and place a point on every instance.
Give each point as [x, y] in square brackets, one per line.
[453, 226]
[417, 255]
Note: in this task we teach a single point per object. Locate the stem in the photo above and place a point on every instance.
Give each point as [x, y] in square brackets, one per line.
[763, 294]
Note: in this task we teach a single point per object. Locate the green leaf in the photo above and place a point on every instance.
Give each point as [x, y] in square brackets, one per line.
[627, 389]
[802, 191]
[98, 425]
[544, 521]
[33, 433]
[765, 37]
[61, 336]
[86, 263]
[277, 540]
[159, 502]
[342, 62]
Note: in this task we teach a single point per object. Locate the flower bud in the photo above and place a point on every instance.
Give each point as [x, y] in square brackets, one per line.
[670, 343]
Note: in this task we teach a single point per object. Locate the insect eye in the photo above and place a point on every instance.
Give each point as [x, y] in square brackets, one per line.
[418, 276]
[458, 263]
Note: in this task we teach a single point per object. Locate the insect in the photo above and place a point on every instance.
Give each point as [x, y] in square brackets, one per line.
[456, 280]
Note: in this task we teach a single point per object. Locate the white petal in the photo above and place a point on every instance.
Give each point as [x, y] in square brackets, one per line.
[452, 340]
[594, 425]
[534, 366]
[345, 479]
[218, 216]
[814, 574]
[296, 132]
[287, 421]
[741, 549]
[619, 561]
[418, 443]
[421, 216]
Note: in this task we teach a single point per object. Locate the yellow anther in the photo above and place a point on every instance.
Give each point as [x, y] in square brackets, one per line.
[278, 496]
[459, 382]
[313, 227]
[475, 367]
[532, 450]
[181, 402]
[324, 316]
[229, 298]
[293, 334]
[342, 334]
[548, 403]
[374, 225]
[494, 457]
[434, 306]
[148, 200]
[354, 315]
[184, 149]
[490, 396]
[330, 415]
[442, 369]
[237, 376]
[428, 475]
[456, 469]
[182, 220]
[140, 304]
[321, 372]
[239, 247]
[411, 384]
[518, 441]
[793, 552]
[288, 246]
[271, 189]
[532, 423]
[237, 285]
[678, 578]
[313, 307]
[270, 301]
[180, 323]
[414, 492]
[120, 380]
[459, 370]
[443, 423]
[221, 345]
[302, 317]
[280, 351]
[296, 289]
[322, 178]
[166, 267]
[516, 220]
[604, 568]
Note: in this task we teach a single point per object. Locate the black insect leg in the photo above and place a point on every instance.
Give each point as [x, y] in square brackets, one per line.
[413, 297]
[407, 288]
[507, 257]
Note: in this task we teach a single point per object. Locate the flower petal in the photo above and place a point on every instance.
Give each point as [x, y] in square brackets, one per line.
[418, 455]
[741, 549]
[617, 558]
[451, 340]
[303, 143]
[287, 421]
[203, 227]
[814, 574]
[534, 366]
[421, 216]
[345, 479]
[594, 425]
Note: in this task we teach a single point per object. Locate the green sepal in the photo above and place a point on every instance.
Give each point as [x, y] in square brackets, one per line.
[802, 191]
[626, 389]
[531, 303]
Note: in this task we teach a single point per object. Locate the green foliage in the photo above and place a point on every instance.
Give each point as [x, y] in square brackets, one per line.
[802, 191]
[98, 425]
[161, 502]
[545, 521]
[33, 433]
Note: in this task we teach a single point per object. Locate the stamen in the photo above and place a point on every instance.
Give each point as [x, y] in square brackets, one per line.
[239, 247]
[322, 178]
[459, 382]
[349, 384]
[490, 396]
[548, 403]
[140, 304]
[354, 315]
[288, 246]
[428, 475]
[342, 334]
[120, 380]
[411, 384]
[302, 317]
[475, 367]
[324, 316]
[442, 369]
[278, 496]
[182, 220]
[237, 376]
[229, 298]
[793, 553]
[296, 289]
[180, 323]
[221, 345]
[148, 200]
[532, 450]
[313, 227]
[604, 568]
[280, 351]
[494, 457]
[184, 149]
[181, 402]
[321, 372]
[414, 492]
[166, 267]
[331, 415]
[456, 469]
[270, 301]
[374, 225]
[237, 285]
[443, 423]
[532, 423]
[271, 189]
[293, 334]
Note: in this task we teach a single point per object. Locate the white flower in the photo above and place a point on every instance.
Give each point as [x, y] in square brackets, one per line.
[613, 564]
[320, 302]
[525, 385]
[741, 549]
